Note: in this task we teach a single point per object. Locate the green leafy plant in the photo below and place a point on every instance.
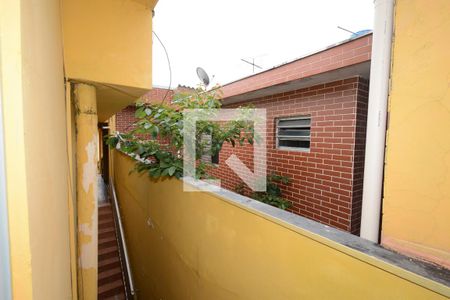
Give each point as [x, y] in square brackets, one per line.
[157, 139]
[273, 194]
[240, 188]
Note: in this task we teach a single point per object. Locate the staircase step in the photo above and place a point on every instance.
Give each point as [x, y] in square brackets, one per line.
[105, 221]
[108, 263]
[105, 216]
[107, 235]
[111, 243]
[106, 232]
[110, 284]
[107, 241]
[109, 218]
[109, 279]
[110, 234]
[108, 229]
[109, 275]
[104, 208]
[105, 211]
[106, 225]
[111, 288]
[108, 252]
[120, 296]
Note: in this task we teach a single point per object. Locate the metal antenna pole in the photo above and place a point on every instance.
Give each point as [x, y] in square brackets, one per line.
[342, 28]
[251, 63]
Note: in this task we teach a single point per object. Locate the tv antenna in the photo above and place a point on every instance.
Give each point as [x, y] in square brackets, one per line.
[355, 34]
[342, 28]
[251, 63]
[203, 76]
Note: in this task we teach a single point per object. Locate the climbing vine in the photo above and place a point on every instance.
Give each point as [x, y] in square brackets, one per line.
[156, 140]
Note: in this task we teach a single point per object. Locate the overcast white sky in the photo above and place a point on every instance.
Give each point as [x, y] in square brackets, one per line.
[216, 34]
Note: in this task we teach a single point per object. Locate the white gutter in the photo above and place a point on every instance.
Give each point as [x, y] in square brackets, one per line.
[5, 271]
[376, 119]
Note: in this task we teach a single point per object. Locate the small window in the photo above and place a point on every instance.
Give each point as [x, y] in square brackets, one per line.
[215, 158]
[294, 133]
[207, 157]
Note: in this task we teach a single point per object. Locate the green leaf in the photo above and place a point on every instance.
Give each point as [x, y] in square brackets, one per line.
[140, 149]
[112, 141]
[155, 172]
[163, 164]
[172, 170]
[155, 131]
[139, 113]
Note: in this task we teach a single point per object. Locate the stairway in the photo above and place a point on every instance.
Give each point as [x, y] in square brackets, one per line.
[110, 282]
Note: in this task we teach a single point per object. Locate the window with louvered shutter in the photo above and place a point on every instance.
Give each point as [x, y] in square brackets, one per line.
[294, 133]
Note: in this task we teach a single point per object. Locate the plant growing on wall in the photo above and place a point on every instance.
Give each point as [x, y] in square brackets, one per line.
[157, 139]
[273, 194]
[240, 188]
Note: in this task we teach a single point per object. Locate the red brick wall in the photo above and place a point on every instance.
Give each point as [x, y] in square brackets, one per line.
[327, 181]
[359, 153]
[342, 55]
[125, 118]
[157, 95]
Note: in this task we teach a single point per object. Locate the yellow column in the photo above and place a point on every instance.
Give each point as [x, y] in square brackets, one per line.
[11, 82]
[87, 158]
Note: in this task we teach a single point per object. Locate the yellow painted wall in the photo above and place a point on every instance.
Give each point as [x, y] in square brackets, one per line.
[200, 246]
[416, 206]
[36, 148]
[108, 41]
[72, 179]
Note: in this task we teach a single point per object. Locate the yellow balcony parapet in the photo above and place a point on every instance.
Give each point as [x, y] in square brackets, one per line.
[219, 245]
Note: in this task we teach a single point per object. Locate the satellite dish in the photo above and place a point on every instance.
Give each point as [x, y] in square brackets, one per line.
[361, 32]
[203, 76]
